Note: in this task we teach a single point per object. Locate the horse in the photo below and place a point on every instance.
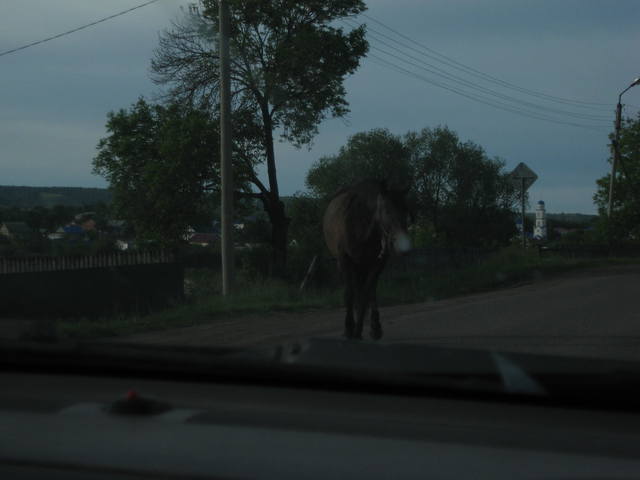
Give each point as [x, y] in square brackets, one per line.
[362, 225]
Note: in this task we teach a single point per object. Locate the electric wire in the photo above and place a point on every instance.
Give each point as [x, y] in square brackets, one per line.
[476, 98]
[517, 108]
[444, 74]
[68, 32]
[504, 97]
[431, 53]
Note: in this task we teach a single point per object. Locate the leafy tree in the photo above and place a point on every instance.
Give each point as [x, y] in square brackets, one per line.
[11, 214]
[376, 154]
[255, 230]
[307, 239]
[161, 165]
[625, 218]
[60, 215]
[463, 194]
[458, 195]
[289, 61]
[432, 155]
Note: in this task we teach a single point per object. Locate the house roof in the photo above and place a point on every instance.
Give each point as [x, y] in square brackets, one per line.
[203, 238]
[73, 229]
[17, 227]
[81, 217]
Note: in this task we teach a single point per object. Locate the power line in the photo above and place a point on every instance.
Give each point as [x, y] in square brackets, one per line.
[442, 72]
[445, 74]
[518, 103]
[460, 66]
[68, 32]
[476, 98]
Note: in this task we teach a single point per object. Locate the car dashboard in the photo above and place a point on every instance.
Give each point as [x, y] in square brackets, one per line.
[76, 425]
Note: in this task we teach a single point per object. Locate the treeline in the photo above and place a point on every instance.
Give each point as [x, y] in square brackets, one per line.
[30, 197]
[456, 193]
[41, 219]
[572, 218]
[458, 196]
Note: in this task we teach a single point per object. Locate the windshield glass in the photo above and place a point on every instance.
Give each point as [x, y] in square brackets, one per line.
[452, 174]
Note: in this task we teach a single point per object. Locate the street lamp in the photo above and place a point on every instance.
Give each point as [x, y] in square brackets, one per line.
[616, 144]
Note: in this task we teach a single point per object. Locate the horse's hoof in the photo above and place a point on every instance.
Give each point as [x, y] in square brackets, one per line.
[376, 333]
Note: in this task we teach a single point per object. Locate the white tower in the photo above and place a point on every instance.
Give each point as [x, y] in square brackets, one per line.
[540, 229]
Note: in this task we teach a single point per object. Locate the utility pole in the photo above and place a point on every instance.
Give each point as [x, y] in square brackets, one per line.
[522, 192]
[616, 145]
[226, 172]
[616, 154]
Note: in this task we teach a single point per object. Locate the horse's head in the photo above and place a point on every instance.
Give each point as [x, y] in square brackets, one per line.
[391, 215]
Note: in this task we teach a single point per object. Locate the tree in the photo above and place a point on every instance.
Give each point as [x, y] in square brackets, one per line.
[625, 219]
[161, 165]
[432, 153]
[289, 61]
[376, 155]
[465, 195]
[457, 194]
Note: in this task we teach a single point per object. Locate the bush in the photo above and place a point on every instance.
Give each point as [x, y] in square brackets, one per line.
[254, 261]
[194, 256]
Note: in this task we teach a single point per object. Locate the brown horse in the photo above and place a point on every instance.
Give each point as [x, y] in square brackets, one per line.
[362, 225]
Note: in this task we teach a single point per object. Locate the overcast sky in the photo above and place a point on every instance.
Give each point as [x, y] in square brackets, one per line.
[54, 97]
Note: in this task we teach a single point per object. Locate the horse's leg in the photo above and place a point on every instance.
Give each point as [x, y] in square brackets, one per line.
[349, 293]
[362, 301]
[376, 328]
[372, 286]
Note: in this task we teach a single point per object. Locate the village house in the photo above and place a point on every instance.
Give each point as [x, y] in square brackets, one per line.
[116, 227]
[15, 230]
[203, 239]
[125, 245]
[57, 235]
[86, 221]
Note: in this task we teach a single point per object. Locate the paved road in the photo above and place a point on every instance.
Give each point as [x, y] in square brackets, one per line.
[594, 313]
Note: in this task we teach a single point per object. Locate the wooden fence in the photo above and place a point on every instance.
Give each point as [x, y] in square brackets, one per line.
[63, 263]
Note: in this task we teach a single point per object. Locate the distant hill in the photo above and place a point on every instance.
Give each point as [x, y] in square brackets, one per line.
[578, 218]
[575, 219]
[28, 197]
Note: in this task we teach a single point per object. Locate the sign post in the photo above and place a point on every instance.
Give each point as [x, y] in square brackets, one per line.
[523, 177]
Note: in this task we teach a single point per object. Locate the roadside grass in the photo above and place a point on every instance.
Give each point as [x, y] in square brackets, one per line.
[509, 267]
[205, 304]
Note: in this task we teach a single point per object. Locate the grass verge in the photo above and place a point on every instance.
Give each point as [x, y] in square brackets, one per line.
[509, 267]
[206, 305]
